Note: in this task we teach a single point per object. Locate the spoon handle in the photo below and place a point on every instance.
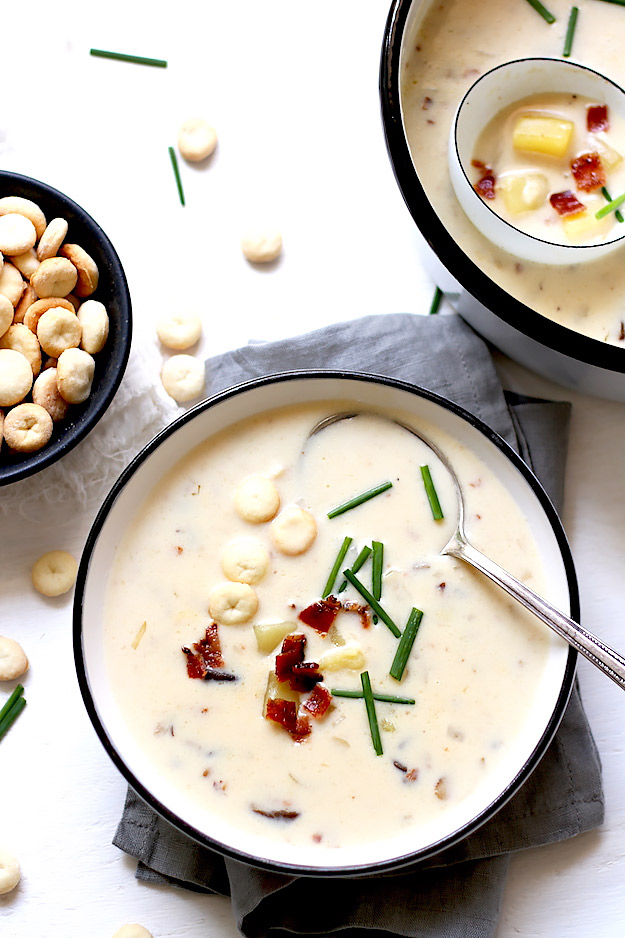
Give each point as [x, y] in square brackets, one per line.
[598, 653]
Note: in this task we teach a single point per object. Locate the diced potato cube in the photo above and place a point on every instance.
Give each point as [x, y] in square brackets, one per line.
[610, 158]
[278, 690]
[523, 192]
[585, 227]
[349, 656]
[335, 636]
[268, 636]
[539, 134]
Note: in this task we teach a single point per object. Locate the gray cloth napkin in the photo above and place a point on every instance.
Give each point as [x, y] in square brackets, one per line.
[458, 893]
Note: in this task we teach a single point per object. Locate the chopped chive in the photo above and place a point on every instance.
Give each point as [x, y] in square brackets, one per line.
[11, 715]
[376, 570]
[357, 564]
[359, 499]
[337, 566]
[375, 605]
[405, 644]
[620, 3]
[138, 59]
[570, 32]
[546, 15]
[608, 198]
[19, 690]
[610, 207]
[371, 714]
[435, 505]
[385, 698]
[436, 301]
[377, 562]
[174, 163]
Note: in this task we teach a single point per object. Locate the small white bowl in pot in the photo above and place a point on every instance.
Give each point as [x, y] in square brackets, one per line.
[139, 489]
[492, 93]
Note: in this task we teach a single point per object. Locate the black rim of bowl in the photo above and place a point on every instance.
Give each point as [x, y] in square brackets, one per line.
[204, 838]
[516, 314]
[112, 360]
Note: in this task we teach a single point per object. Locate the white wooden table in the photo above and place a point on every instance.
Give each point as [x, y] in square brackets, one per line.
[292, 91]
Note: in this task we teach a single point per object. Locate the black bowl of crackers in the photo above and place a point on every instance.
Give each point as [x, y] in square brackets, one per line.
[65, 325]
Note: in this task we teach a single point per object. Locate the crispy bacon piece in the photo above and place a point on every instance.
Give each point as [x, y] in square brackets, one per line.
[290, 665]
[319, 701]
[292, 653]
[597, 118]
[304, 676]
[285, 713]
[205, 654]
[565, 203]
[485, 186]
[360, 610]
[321, 615]
[588, 172]
[280, 814]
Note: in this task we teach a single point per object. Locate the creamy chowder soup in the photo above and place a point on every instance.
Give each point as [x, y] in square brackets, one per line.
[544, 162]
[221, 575]
[453, 43]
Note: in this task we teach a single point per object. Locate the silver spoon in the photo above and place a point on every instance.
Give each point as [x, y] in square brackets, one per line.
[608, 661]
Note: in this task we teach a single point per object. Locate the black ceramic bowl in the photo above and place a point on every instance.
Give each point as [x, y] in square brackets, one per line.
[555, 351]
[111, 362]
[222, 830]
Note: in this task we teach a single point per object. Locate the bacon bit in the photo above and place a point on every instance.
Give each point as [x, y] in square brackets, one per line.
[427, 103]
[216, 674]
[278, 815]
[317, 838]
[321, 615]
[361, 610]
[292, 653]
[205, 654]
[441, 586]
[179, 550]
[284, 712]
[304, 676]
[565, 203]
[412, 775]
[206, 773]
[621, 335]
[485, 186]
[400, 766]
[318, 702]
[588, 172]
[597, 118]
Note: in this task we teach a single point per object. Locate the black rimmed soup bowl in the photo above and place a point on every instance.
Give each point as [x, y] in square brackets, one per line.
[110, 362]
[203, 747]
[563, 321]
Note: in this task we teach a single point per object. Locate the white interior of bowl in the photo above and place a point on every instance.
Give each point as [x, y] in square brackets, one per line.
[491, 93]
[151, 470]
